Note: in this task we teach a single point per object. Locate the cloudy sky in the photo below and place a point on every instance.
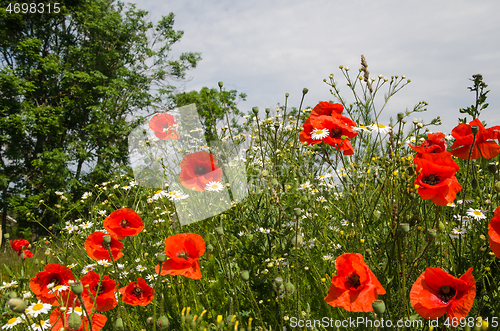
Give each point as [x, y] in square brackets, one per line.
[268, 48]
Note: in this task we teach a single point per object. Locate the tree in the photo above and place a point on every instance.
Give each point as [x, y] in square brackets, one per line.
[212, 106]
[68, 81]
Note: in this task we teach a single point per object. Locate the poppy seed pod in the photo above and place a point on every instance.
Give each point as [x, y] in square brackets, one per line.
[119, 324]
[492, 168]
[150, 320]
[474, 129]
[6, 236]
[245, 275]
[305, 90]
[431, 234]
[12, 295]
[441, 227]
[221, 84]
[77, 288]
[497, 187]
[219, 230]
[404, 227]
[161, 258]
[17, 305]
[106, 239]
[289, 288]
[74, 321]
[297, 211]
[210, 248]
[255, 110]
[278, 281]
[400, 116]
[474, 183]
[378, 307]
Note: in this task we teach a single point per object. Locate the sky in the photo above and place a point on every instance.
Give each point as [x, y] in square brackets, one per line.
[268, 48]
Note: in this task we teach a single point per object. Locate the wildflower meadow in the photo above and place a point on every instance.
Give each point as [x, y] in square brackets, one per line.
[321, 218]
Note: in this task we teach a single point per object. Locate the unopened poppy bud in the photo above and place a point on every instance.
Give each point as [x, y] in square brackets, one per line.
[77, 288]
[106, 239]
[474, 129]
[289, 288]
[404, 227]
[278, 281]
[497, 187]
[12, 295]
[343, 137]
[150, 320]
[219, 230]
[492, 168]
[287, 95]
[255, 110]
[305, 90]
[245, 275]
[378, 307]
[257, 139]
[74, 321]
[474, 183]
[6, 236]
[400, 116]
[274, 181]
[441, 227]
[160, 258]
[268, 110]
[119, 324]
[297, 240]
[221, 84]
[297, 211]
[17, 305]
[265, 173]
[431, 234]
[210, 248]
[162, 322]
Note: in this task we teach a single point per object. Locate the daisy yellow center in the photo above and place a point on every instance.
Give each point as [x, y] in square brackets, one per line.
[38, 306]
[477, 212]
[214, 186]
[39, 324]
[78, 309]
[12, 321]
[381, 126]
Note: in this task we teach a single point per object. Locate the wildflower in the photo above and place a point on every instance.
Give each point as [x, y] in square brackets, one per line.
[40, 325]
[305, 185]
[494, 233]
[380, 128]
[98, 250]
[483, 143]
[104, 289]
[437, 181]
[38, 308]
[102, 212]
[12, 322]
[265, 231]
[184, 250]
[71, 228]
[355, 286]
[104, 263]
[163, 126]
[214, 186]
[137, 293]
[435, 143]
[86, 225]
[123, 222]
[361, 128]
[436, 292]
[59, 320]
[86, 195]
[140, 268]
[457, 232]
[198, 169]
[20, 246]
[476, 214]
[54, 274]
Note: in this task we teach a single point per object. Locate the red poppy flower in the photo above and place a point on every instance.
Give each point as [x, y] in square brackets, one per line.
[123, 223]
[184, 250]
[137, 293]
[494, 233]
[97, 249]
[58, 277]
[330, 130]
[328, 109]
[105, 297]
[436, 180]
[436, 292]
[483, 145]
[59, 320]
[163, 126]
[355, 286]
[435, 143]
[19, 244]
[199, 168]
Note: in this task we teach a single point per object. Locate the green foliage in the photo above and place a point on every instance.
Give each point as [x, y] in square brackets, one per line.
[69, 81]
[479, 86]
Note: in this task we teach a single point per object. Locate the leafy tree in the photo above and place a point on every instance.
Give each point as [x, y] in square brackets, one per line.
[212, 106]
[68, 81]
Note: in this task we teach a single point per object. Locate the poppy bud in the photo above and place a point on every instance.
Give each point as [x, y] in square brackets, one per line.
[290, 288]
[297, 240]
[265, 173]
[12, 295]
[255, 110]
[221, 84]
[160, 258]
[150, 320]
[106, 239]
[6, 236]
[431, 234]
[210, 248]
[268, 110]
[162, 322]
[245, 275]
[119, 324]
[497, 187]
[297, 211]
[378, 307]
[492, 168]
[17, 305]
[474, 183]
[404, 227]
[74, 321]
[474, 129]
[257, 139]
[400, 116]
[278, 281]
[441, 227]
[274, 181]
[77, 288]
[305, 90]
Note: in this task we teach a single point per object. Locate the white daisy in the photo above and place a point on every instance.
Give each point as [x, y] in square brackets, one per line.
[140, 268]
[321, 199]
[476, 214]
[12, 322]
[72, 265]
[457, 232]
[70, 228]
[324, 176]
[59, 193]
[180, 196]
[120, 266]
[38, 308]
[451, 204]
[133, 183]
[102, 212]
[318, 134]
[266, 231]
[126, 187]
[104, 263]
[88, 268]
[116, 186]
[380, 128]
[305, 185]
[86, 225]
[77, 310]
[214, 186]
[361, 128]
